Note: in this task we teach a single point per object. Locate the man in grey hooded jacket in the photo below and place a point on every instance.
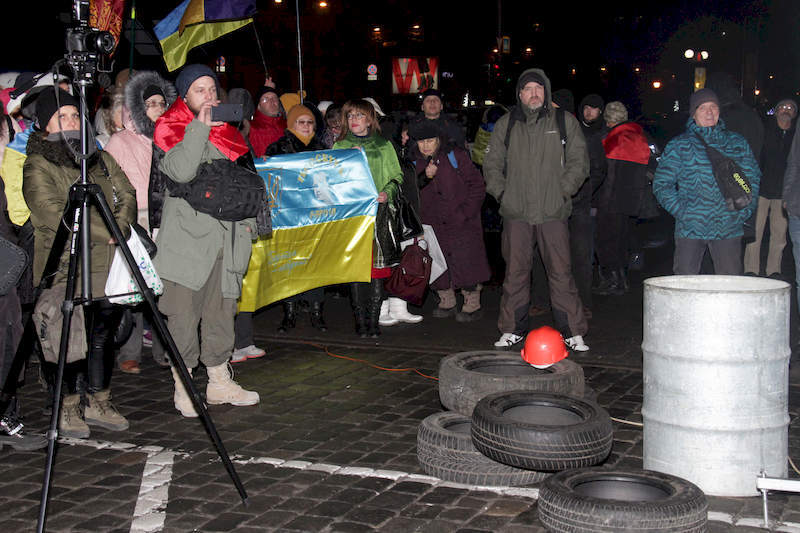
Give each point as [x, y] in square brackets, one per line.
[533, 177]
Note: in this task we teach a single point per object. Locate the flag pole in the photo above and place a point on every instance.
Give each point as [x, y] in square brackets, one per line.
[299, 50]
[133, 37]
[260, 50]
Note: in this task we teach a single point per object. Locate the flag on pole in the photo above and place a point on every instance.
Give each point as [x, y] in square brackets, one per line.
[196, 22]
[106, 15]
[14, 157]
[323, 207]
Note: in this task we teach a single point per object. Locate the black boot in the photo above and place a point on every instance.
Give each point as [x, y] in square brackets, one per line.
[316, 316]
[289, 317]
[358, 296]
[374, 307]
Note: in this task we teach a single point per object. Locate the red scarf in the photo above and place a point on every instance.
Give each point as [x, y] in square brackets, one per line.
[171, 127]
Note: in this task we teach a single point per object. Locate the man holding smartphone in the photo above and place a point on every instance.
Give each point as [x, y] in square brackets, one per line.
[200, 259]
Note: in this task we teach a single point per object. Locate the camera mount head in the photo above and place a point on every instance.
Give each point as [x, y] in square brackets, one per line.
[86, 46]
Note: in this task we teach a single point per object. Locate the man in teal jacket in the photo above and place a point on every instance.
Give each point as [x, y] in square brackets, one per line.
[201, 259]
[684, 185]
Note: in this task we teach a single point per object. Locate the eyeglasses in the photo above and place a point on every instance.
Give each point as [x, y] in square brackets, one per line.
[356, 116]
[305, 122]
[153, 105]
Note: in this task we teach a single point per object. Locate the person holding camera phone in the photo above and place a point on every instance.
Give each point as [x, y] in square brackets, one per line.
[200, 259]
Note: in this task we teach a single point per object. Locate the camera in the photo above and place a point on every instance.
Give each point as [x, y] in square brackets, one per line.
[86, 46]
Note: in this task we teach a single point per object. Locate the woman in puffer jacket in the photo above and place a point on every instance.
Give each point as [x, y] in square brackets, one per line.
[147, 96]
[49, 171]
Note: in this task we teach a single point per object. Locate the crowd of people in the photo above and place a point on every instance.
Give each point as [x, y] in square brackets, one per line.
[570, 185]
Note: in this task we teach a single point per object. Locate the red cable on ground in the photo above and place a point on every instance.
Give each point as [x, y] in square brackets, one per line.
[328, 352]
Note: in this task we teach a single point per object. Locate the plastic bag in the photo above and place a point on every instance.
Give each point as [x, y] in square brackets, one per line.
[121, 282]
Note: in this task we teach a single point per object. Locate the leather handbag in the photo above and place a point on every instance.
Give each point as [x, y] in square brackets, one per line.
[13, 260]
[409, 223]
[409, 279]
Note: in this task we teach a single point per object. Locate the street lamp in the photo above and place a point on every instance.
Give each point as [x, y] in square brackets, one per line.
[656, 85]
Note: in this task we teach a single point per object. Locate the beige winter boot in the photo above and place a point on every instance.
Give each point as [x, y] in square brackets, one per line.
[447, 304]
[101, 412]
[70, 420]
[471, 310]
[183, 402]
[222, 389]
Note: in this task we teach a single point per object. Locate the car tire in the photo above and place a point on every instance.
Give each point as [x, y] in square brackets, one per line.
[541, 431]
[591, 500]
[445, 451]
[466, 377]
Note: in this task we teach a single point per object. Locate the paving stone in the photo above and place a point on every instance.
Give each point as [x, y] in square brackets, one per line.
[350, 527]
[226, 522]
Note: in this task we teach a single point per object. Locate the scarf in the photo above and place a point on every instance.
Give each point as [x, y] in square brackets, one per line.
[305, 139]
[171, 127]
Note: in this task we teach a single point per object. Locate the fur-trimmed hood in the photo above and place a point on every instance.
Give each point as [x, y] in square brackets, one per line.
[134, 101]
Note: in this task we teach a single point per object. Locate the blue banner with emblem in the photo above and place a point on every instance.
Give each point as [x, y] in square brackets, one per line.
[323, 207]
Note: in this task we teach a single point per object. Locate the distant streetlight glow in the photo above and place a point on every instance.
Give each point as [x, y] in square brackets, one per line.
[637, 69]
[495, 50]
[323, 4]
[688, 54]
[376, 29]
[529, 50]
[278, 1]
[757, 92]
[415, 26]
[656, 84]
[602, 69]
[704, 54]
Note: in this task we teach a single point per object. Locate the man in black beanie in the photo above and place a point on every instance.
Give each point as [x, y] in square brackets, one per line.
[533, 176]
[432, 107]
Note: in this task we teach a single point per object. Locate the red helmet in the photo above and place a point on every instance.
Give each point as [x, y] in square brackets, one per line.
[544, 346]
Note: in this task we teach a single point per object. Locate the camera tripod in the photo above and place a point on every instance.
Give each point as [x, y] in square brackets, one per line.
[76, 225]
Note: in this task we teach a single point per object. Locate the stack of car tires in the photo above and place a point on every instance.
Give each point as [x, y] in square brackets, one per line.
[510, 424]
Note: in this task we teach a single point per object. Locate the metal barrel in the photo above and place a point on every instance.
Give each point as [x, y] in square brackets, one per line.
[716, 379]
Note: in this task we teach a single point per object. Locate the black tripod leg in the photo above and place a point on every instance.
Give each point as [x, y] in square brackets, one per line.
[166, 338]
[66, 310]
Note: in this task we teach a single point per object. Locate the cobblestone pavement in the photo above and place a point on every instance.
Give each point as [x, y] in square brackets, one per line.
[331, 446]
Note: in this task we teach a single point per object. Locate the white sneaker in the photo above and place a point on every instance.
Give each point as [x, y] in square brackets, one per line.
[385, 318]
[248, 352]
[507, 340]
[576, 343]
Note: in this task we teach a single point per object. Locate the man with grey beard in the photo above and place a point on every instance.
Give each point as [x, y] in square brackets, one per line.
[536, 161]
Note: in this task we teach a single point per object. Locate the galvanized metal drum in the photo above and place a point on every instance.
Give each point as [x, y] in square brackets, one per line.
[716, 369]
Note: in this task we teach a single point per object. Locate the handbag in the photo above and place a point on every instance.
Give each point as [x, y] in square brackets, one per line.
[730, 178]
[120, 286]
[410, 225]
[13, 261]
[409, 279]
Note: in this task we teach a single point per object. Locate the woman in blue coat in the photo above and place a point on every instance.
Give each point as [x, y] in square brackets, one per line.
[684, 185]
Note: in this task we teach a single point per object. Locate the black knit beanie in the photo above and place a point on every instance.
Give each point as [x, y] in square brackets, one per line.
[190, 74]
[152, 90]
[46, 105]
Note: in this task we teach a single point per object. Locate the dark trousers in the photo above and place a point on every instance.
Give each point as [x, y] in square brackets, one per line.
[613, 235]
[520, 240]
[725, 253]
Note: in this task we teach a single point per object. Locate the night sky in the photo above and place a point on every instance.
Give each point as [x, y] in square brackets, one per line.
[338, 42]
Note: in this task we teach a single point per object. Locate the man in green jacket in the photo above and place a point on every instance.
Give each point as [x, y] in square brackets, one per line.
[533, 177]
[200, 259]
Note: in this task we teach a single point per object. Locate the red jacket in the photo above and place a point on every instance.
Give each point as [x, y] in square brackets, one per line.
[265, 130]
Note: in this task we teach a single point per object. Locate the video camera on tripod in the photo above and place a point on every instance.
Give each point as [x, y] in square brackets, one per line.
[87, 47]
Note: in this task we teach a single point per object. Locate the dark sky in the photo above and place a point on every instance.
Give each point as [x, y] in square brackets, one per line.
[337, 41]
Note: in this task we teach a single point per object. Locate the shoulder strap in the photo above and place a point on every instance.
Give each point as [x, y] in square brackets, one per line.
[562, 129]
[452, 157]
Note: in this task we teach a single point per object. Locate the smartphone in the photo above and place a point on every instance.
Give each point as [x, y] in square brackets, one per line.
[227, 113]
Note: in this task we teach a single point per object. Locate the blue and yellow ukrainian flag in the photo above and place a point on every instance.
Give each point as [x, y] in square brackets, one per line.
[196, 22]
[323, 207]
[14, 158]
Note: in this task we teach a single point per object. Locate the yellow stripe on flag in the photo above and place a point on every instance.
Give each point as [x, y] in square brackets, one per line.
[195, 13]
[295, 260]
[176, 46]
[11, 171]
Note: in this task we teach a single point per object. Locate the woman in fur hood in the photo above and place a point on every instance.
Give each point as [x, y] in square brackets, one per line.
[147, 96]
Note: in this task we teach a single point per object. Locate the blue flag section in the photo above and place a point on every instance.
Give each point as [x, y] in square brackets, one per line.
[323, 207]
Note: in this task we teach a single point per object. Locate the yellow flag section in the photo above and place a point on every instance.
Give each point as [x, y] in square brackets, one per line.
[11, 170]
[323, 207]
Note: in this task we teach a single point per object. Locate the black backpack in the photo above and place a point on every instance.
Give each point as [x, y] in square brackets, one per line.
[224, 190]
